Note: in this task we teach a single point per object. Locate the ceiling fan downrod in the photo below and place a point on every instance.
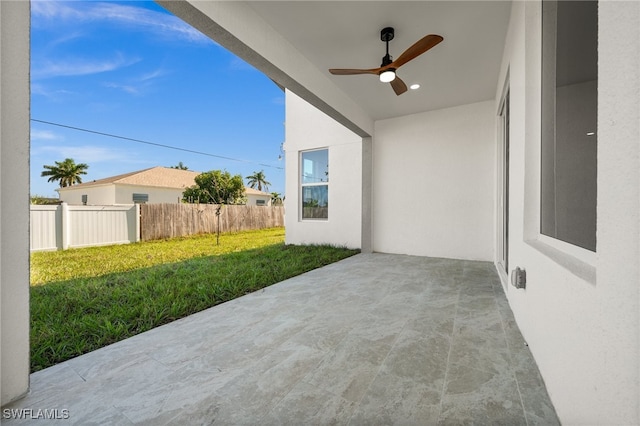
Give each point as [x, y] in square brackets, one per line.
[386, 35]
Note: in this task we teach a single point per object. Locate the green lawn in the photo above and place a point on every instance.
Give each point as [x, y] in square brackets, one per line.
[84, 299]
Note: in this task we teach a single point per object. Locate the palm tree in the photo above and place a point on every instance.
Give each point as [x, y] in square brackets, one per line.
[258, 179]
[67, 172]
[276, 199]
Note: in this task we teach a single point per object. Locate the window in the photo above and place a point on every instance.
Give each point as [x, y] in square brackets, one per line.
[261, 203]
[140, 198]
[569, 119]
[314, 183]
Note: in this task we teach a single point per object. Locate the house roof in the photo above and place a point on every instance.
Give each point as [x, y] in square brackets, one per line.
[252, 191]
[162, 177]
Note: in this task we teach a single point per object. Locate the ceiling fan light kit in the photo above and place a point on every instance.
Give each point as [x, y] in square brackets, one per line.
[387, 76]
[388, 68]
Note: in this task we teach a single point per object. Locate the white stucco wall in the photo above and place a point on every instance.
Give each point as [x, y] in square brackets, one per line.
[102, 195]
[124, 194]
[433, 179]
[580, 314]
[107, 195]
[308, 128]
[252, 199]
[14, 199]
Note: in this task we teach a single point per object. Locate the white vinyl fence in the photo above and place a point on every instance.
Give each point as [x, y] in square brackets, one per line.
[65, 226]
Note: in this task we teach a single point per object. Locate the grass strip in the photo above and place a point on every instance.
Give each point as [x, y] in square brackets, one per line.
[76, 316]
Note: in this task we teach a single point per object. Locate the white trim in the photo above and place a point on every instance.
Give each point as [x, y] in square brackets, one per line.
[583, 255]
[502, 179]
[302, 185]
[579, 262]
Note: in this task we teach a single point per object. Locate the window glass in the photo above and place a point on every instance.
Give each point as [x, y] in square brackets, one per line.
[315, 166]
[314, 184]
[569, 120]
[140, 198]
[315, 202]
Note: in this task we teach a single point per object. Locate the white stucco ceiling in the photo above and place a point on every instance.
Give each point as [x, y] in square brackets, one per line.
[337, 34]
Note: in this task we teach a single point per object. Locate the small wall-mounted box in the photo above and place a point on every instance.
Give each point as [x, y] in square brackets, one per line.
[519, 278]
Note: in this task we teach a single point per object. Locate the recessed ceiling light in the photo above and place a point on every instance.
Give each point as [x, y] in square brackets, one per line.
[414, 86]
[590, 133]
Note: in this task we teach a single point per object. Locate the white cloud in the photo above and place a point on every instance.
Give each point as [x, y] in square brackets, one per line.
[46, 135]
[75, 67]
[39, 89]
[45, 9]
[153, 75]
[65, 38]
[139, 84]
[161, 24]
[82, 154]
[124, 87]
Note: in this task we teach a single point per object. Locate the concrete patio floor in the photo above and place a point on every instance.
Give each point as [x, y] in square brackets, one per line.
[373, 339]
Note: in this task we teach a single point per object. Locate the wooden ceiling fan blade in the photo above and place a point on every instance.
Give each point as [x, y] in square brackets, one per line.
[349, 71]
[418, 48]
[398, 85]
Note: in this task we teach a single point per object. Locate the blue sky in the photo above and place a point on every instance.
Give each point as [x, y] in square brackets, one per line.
[132, 69]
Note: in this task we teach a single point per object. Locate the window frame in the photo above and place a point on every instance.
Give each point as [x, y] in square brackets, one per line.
[302, 185]
[139, 198]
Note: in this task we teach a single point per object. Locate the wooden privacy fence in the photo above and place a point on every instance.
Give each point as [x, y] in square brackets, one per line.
[175, 220]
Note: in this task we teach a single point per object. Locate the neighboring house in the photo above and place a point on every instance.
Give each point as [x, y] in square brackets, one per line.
[257, 198]
[460, 168]
[154, 185]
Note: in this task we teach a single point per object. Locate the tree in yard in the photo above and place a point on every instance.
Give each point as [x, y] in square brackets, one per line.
[180, 166]
[216, 187]
[258, 179]
[67, 172]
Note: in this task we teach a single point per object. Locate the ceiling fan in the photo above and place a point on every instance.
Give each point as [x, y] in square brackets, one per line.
[387, 70]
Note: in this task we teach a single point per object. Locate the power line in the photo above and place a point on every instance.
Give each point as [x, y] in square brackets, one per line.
[153, 143]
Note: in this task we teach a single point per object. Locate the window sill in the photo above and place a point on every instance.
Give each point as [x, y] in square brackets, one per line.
[577, 261]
